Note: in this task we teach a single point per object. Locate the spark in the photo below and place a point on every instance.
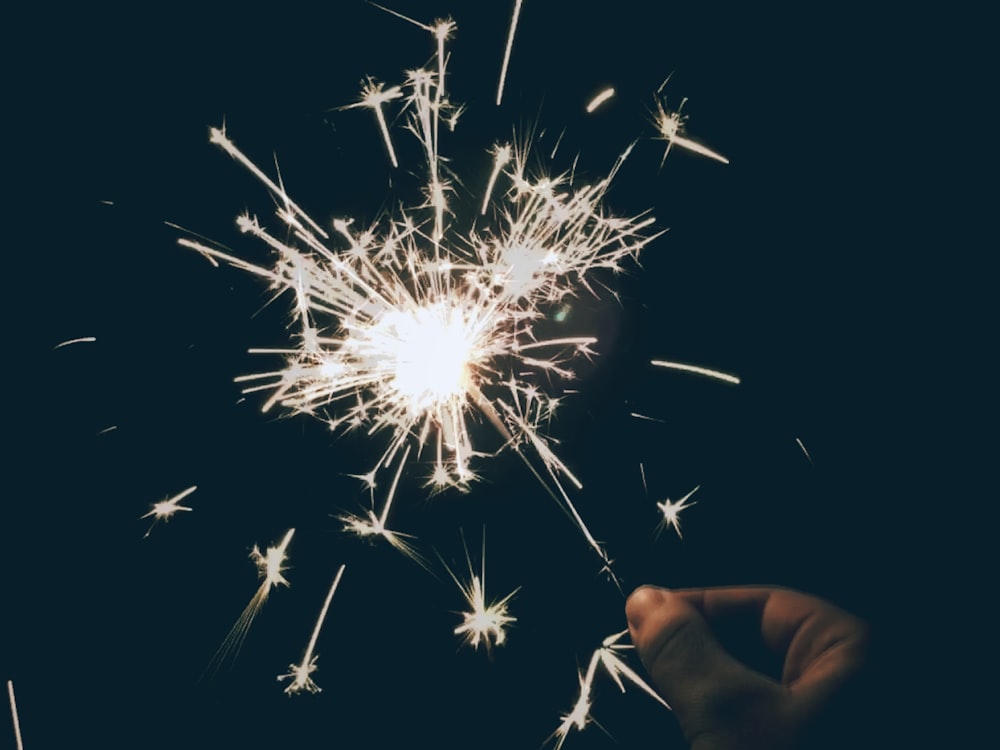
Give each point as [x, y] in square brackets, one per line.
[300, 675]
[81, 340]
[607, 655]
[672, 512]
[164, 509]
[507, 49]
[106, 430]
[270, 568]
[803, 447]
[637, 415]
[670, 126]
[598, 100]
[13, 714]
[482, 622]
[717, 374]
[417, 327]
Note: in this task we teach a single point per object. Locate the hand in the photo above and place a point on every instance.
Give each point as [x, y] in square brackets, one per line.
[723, 704]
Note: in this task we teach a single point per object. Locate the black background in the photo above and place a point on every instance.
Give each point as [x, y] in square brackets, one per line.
[786, 266]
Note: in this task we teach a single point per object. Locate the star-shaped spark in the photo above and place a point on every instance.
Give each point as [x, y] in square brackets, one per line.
[301, 673]
[670, 128]
[165, 509]
[481, 622]
[607, 655]
[671, 510]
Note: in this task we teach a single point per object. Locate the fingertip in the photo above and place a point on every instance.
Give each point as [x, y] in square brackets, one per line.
[641, 602]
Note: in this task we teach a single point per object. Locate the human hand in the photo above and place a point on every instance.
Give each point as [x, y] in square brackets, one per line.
[723, 704]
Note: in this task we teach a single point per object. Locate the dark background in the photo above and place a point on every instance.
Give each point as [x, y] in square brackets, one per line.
[786, 266]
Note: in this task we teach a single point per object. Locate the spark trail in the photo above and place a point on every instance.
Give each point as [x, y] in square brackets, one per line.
[300, 675]
[507, 50]
[418, 327]
[717, 374]
[270, 567]
[671, 510]
[13, 715]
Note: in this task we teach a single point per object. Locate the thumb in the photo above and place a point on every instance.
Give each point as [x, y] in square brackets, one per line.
[719, 702]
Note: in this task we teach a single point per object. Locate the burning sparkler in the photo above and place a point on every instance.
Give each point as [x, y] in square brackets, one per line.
[414, 325]
[165, 509]
[300, 675]
[482, 622]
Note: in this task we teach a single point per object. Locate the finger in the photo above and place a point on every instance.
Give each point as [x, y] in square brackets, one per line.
[817, 639]
[713, 694]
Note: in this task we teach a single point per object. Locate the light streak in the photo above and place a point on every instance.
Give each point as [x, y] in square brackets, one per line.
[717, 374]
[13, 714]
[300, 675]
[482, 622]
[670, 128]
[598, 100]
[671, 510]
[81, 340]
[507, 49]
[270, 567]
[803, 447]
[607, 655]
[372, 305]
[106, 430]
[164, 509]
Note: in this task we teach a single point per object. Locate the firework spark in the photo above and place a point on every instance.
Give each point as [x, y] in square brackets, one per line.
[300, 675]
[270, 567]
[598, 100]
[81, 340]
[671, 511]
[717, 374]
[13, 714]
[165, 509]
[803, 447]
[670, 128]
[414, 326]
[507, 49]
[607, 655]
[482, 622]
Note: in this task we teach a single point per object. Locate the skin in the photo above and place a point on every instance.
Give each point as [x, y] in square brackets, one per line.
[818, 650]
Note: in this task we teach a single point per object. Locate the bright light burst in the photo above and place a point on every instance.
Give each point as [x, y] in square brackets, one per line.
[165, 509]
[607, 655]
[481, 622]
[418, 327]
[300, 675]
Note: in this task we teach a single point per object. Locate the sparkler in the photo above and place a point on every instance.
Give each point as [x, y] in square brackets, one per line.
[414, 326]
[607, 656]
[164, 509]
[482, 622]
[270, 567]
[300, 674]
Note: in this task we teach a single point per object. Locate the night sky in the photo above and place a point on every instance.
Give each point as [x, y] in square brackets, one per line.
[779, 267]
